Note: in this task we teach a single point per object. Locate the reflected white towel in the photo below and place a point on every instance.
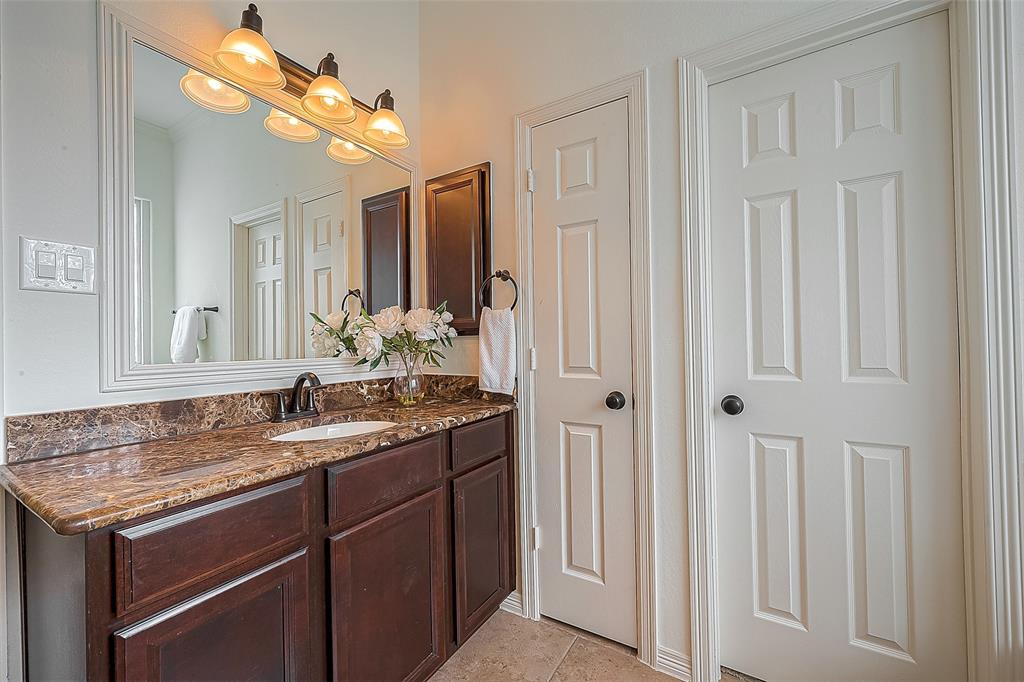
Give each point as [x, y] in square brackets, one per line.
[497, 351]
[189, 328]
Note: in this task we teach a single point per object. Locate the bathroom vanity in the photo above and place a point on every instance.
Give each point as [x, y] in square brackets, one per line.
[226, 555]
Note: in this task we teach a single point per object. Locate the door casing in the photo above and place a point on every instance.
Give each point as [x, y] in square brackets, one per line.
[526, 600]
[988, 283]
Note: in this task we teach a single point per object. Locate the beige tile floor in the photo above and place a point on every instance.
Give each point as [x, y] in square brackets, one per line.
[508, 648]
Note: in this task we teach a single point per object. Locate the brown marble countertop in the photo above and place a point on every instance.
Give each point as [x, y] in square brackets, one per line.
[89, 490]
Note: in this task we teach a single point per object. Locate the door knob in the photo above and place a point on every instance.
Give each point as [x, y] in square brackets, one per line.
[732, 405]
[615, 400]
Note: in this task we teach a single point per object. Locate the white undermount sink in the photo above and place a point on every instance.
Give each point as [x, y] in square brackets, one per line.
[328, 431]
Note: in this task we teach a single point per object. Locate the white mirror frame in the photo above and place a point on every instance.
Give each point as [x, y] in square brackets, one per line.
[118, 33]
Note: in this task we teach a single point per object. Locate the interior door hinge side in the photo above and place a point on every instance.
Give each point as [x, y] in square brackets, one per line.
[530, 185]
[535, 538]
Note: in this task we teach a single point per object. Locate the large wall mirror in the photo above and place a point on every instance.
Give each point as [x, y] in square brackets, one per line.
[252, 216]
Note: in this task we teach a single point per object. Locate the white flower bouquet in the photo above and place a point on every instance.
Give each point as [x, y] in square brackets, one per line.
[412, 338]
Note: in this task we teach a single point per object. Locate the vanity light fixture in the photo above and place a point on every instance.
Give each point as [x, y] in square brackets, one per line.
[246, 54]
[290, 128]
[327, 97]
[385, 127]
[212, 94]
[344, 151]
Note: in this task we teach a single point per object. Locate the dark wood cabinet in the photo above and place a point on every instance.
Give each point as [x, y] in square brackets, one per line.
[386, 250]
[253, 628]
[173, 552]
[458, 212]
[387, 593]
[364, 487]
[373, 568]
[480, 542]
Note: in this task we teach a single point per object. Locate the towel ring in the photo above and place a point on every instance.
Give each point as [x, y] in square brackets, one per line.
[504, 276]
[358, 294]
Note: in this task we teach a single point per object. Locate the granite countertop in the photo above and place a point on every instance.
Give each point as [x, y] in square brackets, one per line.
[89, 490]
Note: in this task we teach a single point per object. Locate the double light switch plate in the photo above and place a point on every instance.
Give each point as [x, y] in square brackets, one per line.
[52, 266]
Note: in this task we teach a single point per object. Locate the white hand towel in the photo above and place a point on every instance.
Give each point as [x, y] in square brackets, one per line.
[497, 351]
[189, 328]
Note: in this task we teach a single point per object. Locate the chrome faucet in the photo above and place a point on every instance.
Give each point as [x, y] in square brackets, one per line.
[301, 404]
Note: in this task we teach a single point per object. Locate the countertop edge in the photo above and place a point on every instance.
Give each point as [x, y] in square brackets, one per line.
[70, 525]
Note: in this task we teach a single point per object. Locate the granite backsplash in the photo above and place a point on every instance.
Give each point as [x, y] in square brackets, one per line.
[50, 434]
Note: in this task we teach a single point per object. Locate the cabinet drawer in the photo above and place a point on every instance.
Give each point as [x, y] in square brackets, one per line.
[479, 442]
[165, 555]
[360, 488]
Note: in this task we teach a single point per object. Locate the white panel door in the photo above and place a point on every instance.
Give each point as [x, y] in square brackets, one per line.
[266, 291]
[323, 258]
[584, 449]
[835, 320]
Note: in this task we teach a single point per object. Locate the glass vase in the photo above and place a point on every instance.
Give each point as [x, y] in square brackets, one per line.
[409, 385]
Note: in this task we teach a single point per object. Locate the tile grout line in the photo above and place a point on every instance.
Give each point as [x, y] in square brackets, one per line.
[575, 638]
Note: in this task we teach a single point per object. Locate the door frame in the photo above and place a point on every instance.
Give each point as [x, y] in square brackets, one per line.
[632, 88]
[990, 284]
[240, 224]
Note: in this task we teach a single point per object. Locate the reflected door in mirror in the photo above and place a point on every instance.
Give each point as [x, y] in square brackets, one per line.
[386, 250]
[266, 291]
[322, 213]
[458, 242]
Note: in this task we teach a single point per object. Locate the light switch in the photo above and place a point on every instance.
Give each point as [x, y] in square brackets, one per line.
[53, 266]
[46, 264]
[74, 268]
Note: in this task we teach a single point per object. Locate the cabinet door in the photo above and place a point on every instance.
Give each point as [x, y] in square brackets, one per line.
[458, 213]
[481, 542]
[387, 593]
[253, 628]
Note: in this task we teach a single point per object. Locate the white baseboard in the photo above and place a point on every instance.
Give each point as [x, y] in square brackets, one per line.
[673, 663]
[513, 603]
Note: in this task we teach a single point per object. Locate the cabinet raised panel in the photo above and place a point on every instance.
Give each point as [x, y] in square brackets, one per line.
[386, 250]
[481, 543]
[359, 489]
[387, 593]
[150, 561]
[253, 628]
[458, 214]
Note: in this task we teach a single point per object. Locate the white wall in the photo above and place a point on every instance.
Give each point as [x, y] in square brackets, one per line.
[481, 63]
[154, 180]
[51, 160]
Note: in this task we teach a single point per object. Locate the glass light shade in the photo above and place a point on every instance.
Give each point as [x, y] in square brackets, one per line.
[247, 56]
[290, 128]
[328, 98]
[386, 129]
[344, 151]
[212, 94]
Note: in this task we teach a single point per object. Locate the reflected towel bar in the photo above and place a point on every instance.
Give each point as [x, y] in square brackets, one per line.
[206, 309]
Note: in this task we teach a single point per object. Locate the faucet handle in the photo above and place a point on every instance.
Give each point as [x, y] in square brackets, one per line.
[281, 409]
[310, 399]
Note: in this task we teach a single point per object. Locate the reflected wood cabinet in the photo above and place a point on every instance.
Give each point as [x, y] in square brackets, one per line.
[375, 568]
[386, 250]
[458, 214]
